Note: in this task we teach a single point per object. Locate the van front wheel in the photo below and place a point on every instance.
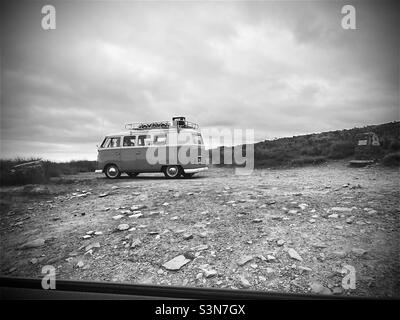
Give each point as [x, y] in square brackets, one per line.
[112, 171]
[172, 172]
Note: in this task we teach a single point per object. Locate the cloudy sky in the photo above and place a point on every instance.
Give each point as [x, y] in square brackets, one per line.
[280, 68]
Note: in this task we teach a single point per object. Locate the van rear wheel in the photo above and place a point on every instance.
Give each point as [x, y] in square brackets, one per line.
[172, 172]
[112, 171]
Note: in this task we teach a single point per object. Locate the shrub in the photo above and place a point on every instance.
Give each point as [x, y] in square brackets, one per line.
[394, 145]
[50, 169]
[391, 160]
[340, 150]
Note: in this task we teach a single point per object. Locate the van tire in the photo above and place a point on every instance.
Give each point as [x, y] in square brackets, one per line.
[112, 171]
[172, 172]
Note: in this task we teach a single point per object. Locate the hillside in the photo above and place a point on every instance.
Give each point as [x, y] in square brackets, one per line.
[319, 147]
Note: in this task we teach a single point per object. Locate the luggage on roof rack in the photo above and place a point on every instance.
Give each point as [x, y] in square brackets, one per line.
[177, 122]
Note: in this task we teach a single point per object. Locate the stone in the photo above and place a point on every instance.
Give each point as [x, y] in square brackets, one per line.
[80, 264]
[294, 255]
[302, 206]
[257, 220]
[201, 247]
[337, 290]
[318, 288]
[92, 246]
[333, 215]
[176, 263]
[269, 270]
[270, 258]
[33, 244]
[123, 227]
[135, 243]
[340, 254]
[280, 242]
[98, 233]
[210, 273]
[341, 209]
[187, 236]
[350, 220]
[244, 259]
[33, 260]
[103, 195]
[189, 255]
[118, 216]
[244, 283]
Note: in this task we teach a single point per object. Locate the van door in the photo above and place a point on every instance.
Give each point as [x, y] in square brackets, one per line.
[129, 154]
[144, 142]
[110, 152]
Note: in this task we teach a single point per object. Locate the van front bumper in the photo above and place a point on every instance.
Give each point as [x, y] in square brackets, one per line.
[195, 170]
[98, 171]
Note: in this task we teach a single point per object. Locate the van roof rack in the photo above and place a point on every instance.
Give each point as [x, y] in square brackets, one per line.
[177, 122]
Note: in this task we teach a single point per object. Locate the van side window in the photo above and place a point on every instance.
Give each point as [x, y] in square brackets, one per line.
[144, 140]
[129, 141]
[113, 142]
[160, 139]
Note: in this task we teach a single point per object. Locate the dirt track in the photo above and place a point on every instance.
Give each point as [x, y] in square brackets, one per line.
[217, 221]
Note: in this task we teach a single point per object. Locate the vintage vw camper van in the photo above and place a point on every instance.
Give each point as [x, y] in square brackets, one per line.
[174, 148]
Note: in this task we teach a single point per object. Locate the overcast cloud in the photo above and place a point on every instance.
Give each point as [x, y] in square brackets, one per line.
[280, 68]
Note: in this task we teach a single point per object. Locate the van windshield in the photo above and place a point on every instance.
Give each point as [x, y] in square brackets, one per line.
[111, 142]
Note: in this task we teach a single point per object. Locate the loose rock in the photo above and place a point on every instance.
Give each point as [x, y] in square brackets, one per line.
[176, 263]
[294, 255]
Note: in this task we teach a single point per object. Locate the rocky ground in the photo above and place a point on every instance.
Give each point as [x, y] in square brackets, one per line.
[286, 230]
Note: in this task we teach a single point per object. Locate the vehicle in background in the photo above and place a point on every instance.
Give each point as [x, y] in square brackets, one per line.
[163, 146]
